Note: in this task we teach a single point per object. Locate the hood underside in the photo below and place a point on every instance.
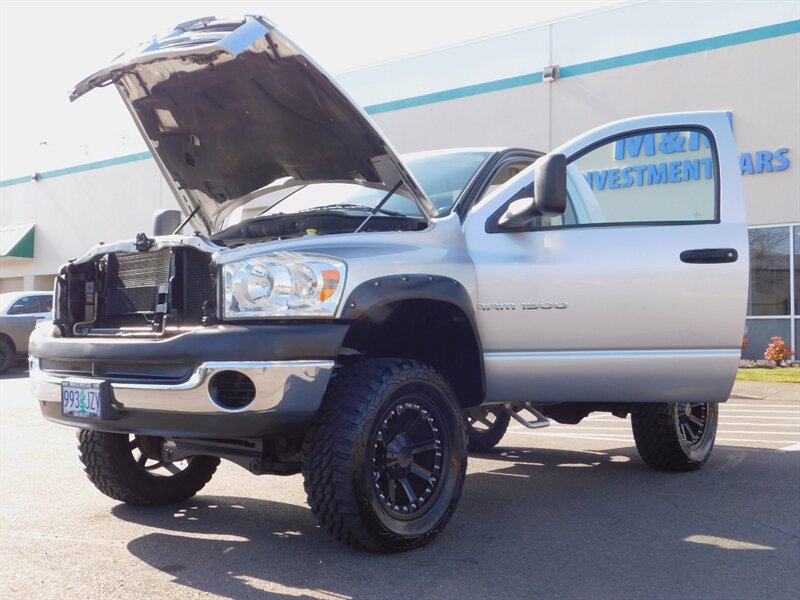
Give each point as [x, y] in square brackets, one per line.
[229, 107]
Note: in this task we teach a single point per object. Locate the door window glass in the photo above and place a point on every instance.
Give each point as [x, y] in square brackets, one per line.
[505, 173]
[656, 177]
[25, 306]
[45, 303]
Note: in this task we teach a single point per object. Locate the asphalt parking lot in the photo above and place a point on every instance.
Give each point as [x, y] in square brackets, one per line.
[565, 512]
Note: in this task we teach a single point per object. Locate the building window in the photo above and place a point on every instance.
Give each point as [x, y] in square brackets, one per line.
[796, 242]
[773, 305]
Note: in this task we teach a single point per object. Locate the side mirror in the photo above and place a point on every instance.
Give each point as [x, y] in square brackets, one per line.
[550, 185]
[165, 221]
[549, 194]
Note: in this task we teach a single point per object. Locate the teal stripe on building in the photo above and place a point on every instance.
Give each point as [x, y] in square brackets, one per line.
[99, 164]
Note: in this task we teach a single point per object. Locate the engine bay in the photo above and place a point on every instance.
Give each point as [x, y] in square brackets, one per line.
[324, 222]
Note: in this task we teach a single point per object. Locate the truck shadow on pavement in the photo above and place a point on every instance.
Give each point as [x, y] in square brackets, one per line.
[531, 522]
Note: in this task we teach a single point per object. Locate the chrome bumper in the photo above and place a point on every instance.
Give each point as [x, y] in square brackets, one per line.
[283, 388]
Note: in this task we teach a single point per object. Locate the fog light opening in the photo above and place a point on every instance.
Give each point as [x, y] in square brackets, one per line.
[231, 390]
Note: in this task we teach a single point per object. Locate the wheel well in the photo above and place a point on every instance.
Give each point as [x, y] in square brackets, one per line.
[434, 332]
[6, 338]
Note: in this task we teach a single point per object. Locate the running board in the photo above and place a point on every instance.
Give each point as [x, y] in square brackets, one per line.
[541, 420]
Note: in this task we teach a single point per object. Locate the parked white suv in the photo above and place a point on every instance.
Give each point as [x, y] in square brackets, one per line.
[362, 318]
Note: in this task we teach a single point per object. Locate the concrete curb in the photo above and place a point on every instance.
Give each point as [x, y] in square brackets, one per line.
[759, 390]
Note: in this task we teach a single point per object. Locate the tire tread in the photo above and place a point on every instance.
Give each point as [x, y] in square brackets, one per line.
[329, 461]
[105, 464]
[657, 439]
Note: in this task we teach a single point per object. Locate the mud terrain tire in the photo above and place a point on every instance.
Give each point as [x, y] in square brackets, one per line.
[385, 460]
[675, 437]
[110, 464]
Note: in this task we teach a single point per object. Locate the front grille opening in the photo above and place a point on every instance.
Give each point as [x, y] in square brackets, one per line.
[134, 282]
[231, 389]
[142, 293]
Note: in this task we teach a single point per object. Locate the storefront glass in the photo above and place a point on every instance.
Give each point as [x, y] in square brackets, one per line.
[769, 272]
[773, 305]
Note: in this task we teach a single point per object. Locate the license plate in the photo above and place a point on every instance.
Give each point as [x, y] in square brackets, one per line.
[81, 399]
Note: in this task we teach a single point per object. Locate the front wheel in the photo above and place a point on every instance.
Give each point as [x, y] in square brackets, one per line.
[129, 468]
[385, 460]
[675, 437]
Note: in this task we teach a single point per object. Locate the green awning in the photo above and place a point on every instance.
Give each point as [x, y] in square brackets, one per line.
[17, 240]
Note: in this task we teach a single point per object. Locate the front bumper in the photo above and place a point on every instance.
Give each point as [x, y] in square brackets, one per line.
[287, 397]
[289, 385]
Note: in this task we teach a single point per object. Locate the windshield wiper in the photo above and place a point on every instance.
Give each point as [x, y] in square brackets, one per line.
[343, 207]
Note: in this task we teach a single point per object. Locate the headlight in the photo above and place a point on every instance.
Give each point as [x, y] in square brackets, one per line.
[283, 285]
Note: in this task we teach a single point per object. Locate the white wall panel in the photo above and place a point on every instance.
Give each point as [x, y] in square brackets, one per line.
[649, 25]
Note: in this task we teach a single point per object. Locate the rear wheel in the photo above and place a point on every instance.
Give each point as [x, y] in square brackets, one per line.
[129, 468]
[385, 461]
[675, 437]
[486, 427]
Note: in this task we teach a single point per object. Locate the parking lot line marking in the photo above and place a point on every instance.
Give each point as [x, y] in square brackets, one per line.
[755, 405]
[757, 416]
[789, 410]
[586, 428]
[629, 439]
[791, 434]
[792, 448]
[766, 429]
[727, 439]
[763, 424]
[729, 418]
[588, 436]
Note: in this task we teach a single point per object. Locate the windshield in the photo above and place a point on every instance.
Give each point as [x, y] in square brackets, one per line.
[443, 177]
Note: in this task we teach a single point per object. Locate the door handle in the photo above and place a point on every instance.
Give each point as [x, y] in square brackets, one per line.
[710, 255]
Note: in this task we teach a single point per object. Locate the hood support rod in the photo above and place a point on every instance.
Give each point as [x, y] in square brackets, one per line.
[379, 205]
[186, 220]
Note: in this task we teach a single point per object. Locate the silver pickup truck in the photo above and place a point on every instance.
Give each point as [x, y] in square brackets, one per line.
[365, 318]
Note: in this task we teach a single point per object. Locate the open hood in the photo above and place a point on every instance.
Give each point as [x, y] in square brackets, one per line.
[228, 107]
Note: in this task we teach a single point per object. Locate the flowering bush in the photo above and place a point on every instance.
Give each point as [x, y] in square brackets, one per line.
[778, 351]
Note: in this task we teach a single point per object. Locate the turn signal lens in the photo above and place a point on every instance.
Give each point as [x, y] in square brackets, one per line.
[330, 283]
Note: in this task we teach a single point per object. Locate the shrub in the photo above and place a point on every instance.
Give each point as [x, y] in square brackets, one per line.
[778, 351]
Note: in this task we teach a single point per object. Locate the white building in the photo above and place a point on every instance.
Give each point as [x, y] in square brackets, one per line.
[535, 87]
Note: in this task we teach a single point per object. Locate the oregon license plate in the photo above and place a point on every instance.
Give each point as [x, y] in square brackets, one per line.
[81, 398]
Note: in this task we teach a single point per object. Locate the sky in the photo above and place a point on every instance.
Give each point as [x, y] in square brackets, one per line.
[47, 47]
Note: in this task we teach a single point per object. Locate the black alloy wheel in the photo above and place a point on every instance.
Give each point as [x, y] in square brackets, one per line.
[692, 423]
[408, 456]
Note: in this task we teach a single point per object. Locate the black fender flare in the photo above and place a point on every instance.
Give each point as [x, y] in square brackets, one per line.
[371, 299]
